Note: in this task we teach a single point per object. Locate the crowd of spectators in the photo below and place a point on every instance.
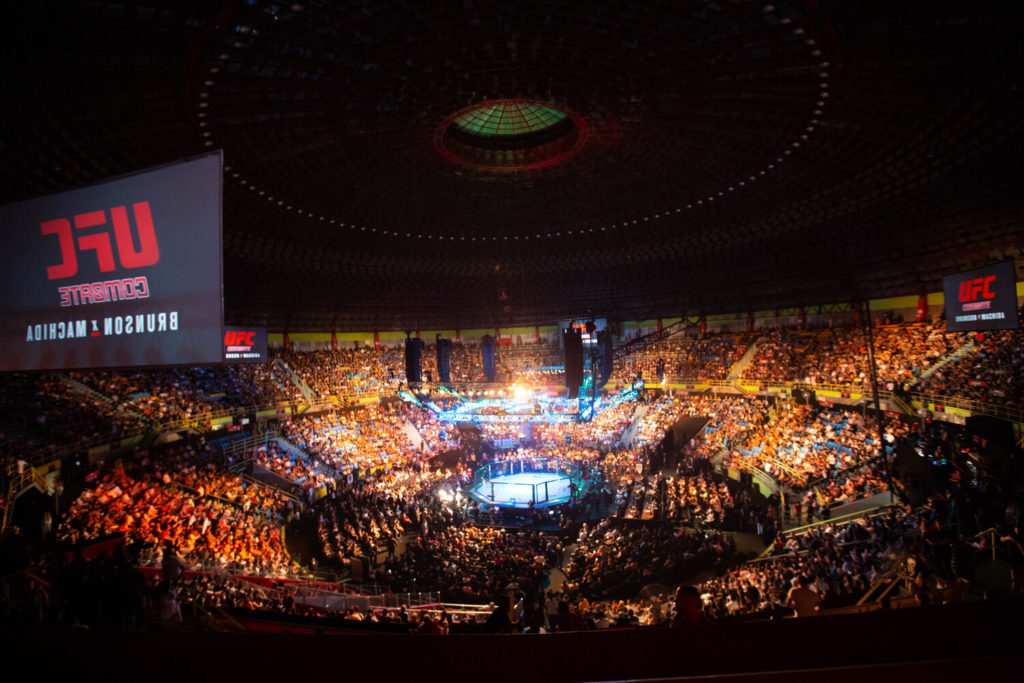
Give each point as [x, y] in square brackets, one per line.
[656, 609]
[678, 357]
[370, 517]
[368, 512]
[339, 372]
[501, 434]
[841, 355]
[437, 436]
[370, 439]
[179, 393]
[365, 369]
[209, 591]
[293, 465]
[209, 515]
[695, 496]
[618, 557]
[657, 419]
[370, 490]
[47, 410]
[187, 468]
[465, 363]
[468, 564]
[729, 419]
[531, 363]
[836, 562]
[603, 431]
[799, 445]
[992, 371]
[353, 523]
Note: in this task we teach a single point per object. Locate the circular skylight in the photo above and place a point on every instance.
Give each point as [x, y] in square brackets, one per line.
[511, 135]
[508, 118]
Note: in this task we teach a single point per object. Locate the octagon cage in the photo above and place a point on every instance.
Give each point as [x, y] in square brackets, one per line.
[527, 482]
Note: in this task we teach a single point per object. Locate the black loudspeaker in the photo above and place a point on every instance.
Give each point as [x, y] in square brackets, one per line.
[444, 353]
[413, 360]
[572, 342]
[359, 568]
[805, 397]
[487, 346]
[991, 429]
[606, 353]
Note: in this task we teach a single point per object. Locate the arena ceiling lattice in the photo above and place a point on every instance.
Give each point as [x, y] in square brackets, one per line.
[397, 165]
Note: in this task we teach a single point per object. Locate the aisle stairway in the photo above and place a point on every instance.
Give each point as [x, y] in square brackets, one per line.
[307, 393]
[415, 438]
[86, 390]
[742, 363]
[290, 448]
[627, 434]
[946, 360]
[845, 512]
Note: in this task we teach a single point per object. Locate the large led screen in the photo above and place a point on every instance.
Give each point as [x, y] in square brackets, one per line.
[982, 299]
[122, 273]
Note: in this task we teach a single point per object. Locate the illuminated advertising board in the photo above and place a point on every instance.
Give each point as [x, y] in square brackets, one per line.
[245, 344]
[981, 299]
[123, 273]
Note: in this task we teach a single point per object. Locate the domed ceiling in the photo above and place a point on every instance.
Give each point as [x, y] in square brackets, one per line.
[392, 165]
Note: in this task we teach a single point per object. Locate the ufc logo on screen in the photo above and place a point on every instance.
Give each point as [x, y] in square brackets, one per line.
[970, 289]
[74, 243]
[238, 338]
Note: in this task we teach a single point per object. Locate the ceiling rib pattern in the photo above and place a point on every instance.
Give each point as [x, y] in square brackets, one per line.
[710, 156]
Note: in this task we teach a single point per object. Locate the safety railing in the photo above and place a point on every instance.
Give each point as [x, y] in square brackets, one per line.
[240, 446]
[843, 519]
[478, 389]
[994, 541]
[153, 560]
[1010, 413]
[883, 585]
[765, 482]
[463, 610]
[769, 555]
[51, 452]
[16, 481]
[339, 602]
[283, 492]
[787, 469]
[695, 381]
[204, 419]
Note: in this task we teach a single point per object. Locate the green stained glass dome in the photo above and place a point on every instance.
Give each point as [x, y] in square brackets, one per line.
[508, 118]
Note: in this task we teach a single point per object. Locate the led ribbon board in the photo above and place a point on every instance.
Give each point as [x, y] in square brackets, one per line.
[510, 410]
[409, 398]
[123, 273]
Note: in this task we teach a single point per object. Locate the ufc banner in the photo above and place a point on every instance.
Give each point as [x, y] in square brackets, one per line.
[981, 299]
[245, 344]
[123, 273]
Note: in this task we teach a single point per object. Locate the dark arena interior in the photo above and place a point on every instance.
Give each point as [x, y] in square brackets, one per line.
[524, 340]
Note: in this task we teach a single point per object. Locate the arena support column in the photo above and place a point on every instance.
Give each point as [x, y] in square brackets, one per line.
[874, 396]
